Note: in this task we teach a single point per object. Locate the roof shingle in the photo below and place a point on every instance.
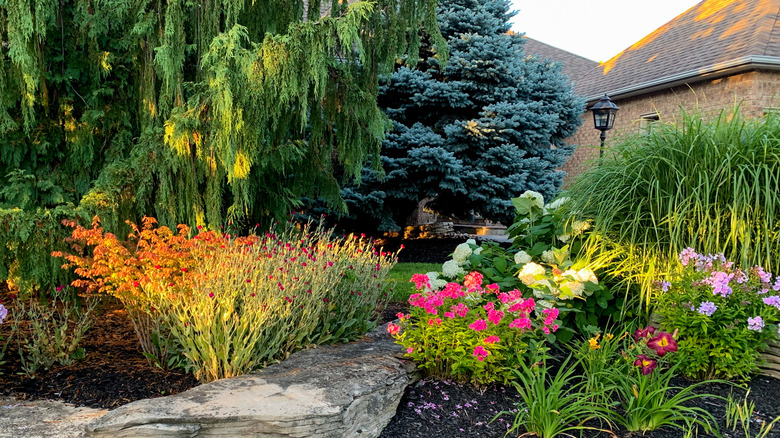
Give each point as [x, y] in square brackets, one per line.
[710, 34]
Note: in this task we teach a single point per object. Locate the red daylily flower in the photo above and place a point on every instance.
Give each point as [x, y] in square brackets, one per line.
[647, 364]
[662, 343]
[643, 333]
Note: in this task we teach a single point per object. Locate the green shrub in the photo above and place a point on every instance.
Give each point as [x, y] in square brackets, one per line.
[711, 185]
[723, 316]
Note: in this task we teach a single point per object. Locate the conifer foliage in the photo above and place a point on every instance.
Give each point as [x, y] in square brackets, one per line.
[192, 111]
[475, 133]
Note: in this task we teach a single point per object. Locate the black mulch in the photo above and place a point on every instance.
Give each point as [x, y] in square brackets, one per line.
[433, 408]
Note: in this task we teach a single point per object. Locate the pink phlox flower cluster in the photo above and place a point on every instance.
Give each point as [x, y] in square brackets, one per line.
[687, 255]
[776, 286]
[492, 339]
[449, 315]
[551, 329]
[420, 281]
[453, 290]
[550, 315]
[514, 295]
[719, 281]
[773, 301]
[705, 262]
[523, 306]
[480, 353]
[478, 325]
[489, 306]
[473, 281]
[434, 321]
[460, 309]
[522, 323]
[495, 316]
[740, 277]
[428, 302]
[755, 323]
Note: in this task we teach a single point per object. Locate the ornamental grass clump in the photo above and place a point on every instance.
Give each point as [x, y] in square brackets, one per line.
[223, 306]
[711, 185]
[724, 315]
[472, 333]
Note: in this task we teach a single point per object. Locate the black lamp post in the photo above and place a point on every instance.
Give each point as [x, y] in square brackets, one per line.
[604, 118]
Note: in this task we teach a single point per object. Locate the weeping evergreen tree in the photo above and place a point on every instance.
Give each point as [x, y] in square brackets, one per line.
[473, 134]
[196, 112]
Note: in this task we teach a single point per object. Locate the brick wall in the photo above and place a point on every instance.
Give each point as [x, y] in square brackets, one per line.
[755, 90]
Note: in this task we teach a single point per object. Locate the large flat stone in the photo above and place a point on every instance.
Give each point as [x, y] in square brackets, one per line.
[43, 418]
[348, 390]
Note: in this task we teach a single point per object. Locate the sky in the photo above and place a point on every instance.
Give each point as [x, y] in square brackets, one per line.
[579, 26]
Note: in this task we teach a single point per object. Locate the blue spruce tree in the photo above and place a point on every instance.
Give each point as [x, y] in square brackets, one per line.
[474, 134]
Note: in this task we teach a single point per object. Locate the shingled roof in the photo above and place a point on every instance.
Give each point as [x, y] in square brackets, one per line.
[574, 66]
[714, 38]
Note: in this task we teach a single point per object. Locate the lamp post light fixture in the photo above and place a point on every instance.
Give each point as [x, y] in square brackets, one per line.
[604, 118]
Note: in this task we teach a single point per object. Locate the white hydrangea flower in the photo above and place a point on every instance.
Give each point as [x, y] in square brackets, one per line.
[478, 251]
[570, 273]
[574, 287]
[564, 237]
[438, 284]
[548, 257]
[522, 257]
[451, 269]
[536, 197]
[471, 242]
[462, 253]
[529, 271]
[557, 203]
[586, 275]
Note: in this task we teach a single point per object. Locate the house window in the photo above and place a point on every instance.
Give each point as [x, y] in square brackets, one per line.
[646, 121]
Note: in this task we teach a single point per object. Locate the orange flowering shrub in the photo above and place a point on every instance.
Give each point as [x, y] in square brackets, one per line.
[229, 305]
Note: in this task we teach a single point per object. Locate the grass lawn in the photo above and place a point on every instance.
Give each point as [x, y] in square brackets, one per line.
[402, 273]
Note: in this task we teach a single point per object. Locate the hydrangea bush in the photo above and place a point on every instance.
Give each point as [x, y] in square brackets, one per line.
[472, 333]
[724, 315]
[542, 262]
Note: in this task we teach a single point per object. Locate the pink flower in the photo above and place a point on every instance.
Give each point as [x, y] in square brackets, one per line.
[435, 321]
[489, 306]
[393, 329]
[550, 316]
[449, 315]
[495, 316]
[409, 350]
[478, 325]
[480, 353]
[461, 309]
[420, 280]
[492, 339]
[522, 323]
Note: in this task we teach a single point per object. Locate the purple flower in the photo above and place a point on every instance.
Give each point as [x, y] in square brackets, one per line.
[755, 324]
[720, 283]
[762, 274]
[707, 308]
[776, 286]
[773, 301]
[665, 285]
[3, 313]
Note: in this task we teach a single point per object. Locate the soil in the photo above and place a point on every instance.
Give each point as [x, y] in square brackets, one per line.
[114, 372]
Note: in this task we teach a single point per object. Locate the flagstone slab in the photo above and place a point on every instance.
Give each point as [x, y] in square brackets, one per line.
[347, 390]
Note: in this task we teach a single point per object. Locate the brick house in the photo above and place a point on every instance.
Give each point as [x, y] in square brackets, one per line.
[716, 54]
